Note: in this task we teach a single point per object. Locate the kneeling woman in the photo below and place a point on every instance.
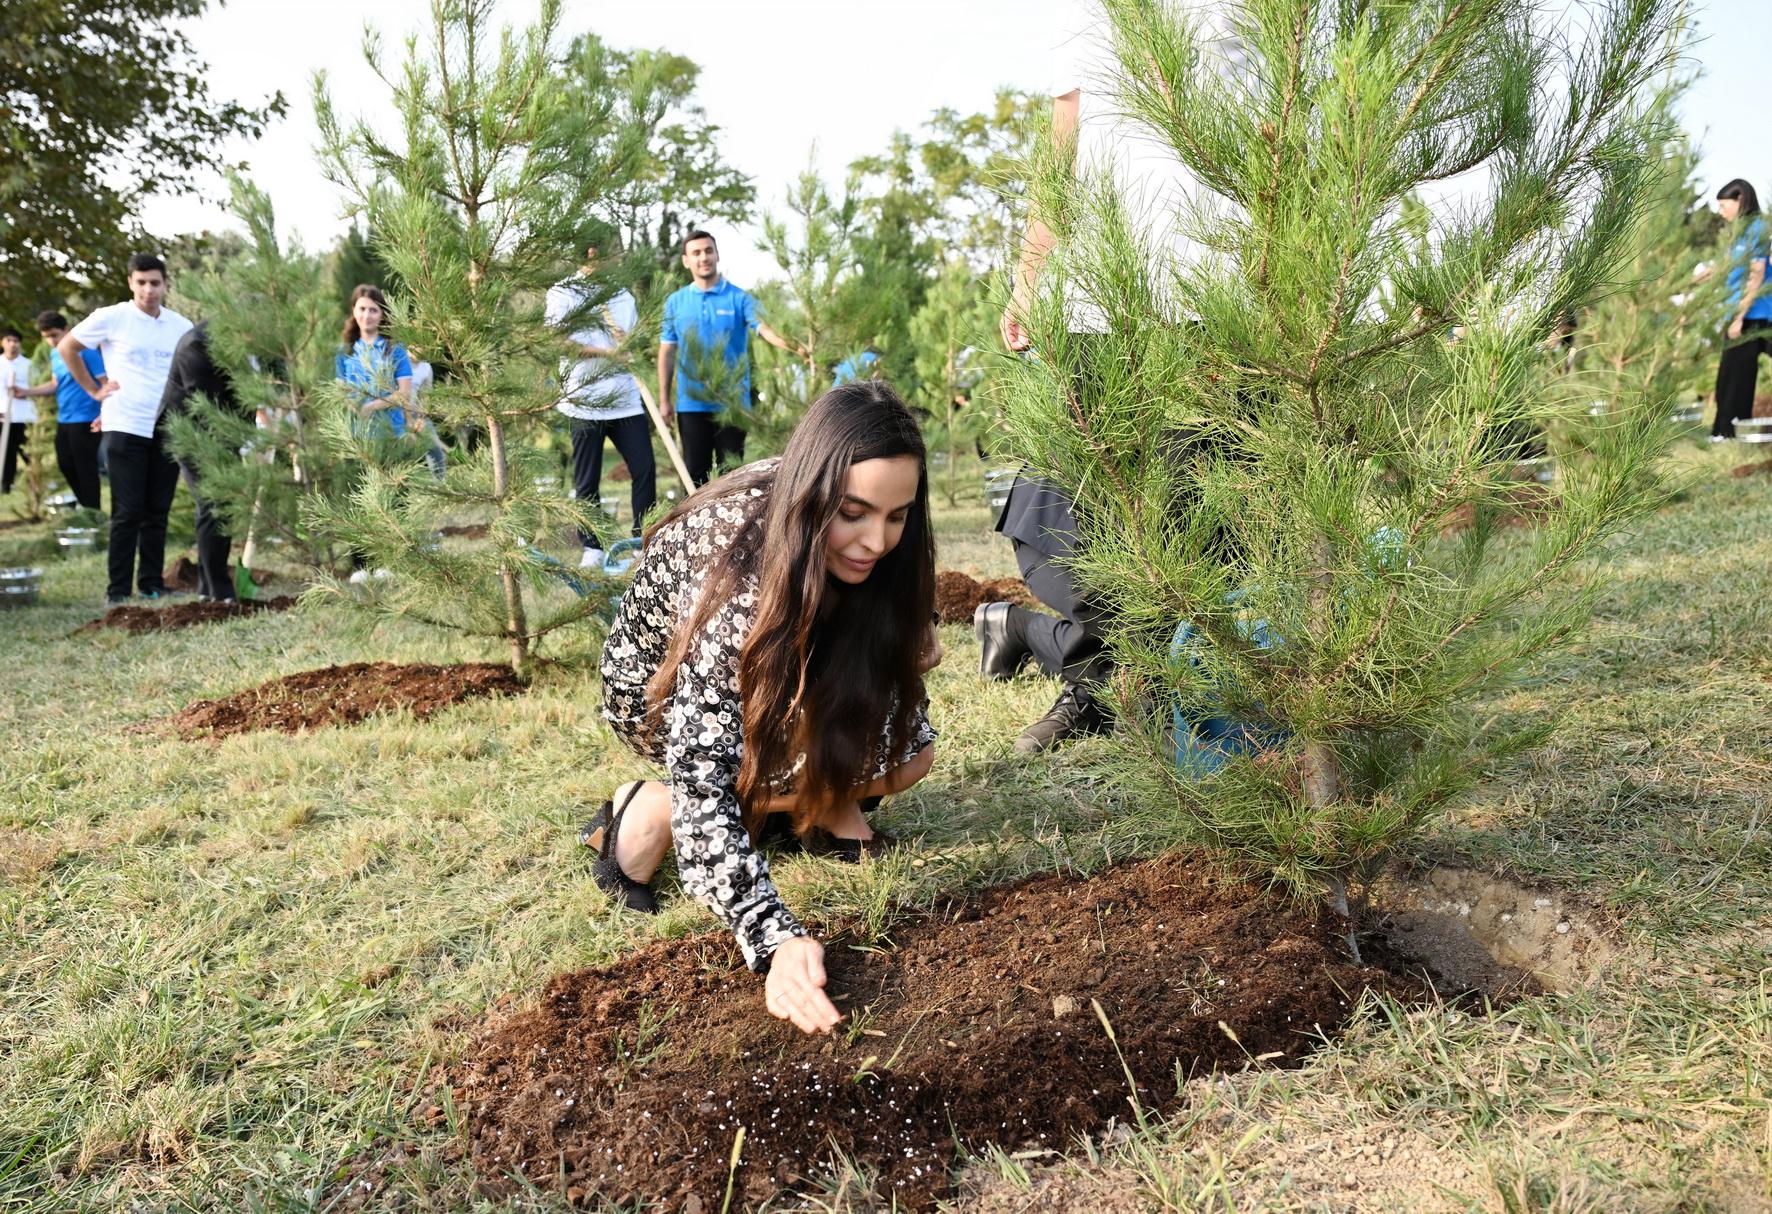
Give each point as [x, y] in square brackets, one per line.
[770, 654]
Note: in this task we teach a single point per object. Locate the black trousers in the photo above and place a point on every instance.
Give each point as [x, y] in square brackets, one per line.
[76, 454]
[14, 453]
[1738, 370]
[143, 481]
[215, 577]
[632, 437]
[705, 436]
[1070, 645]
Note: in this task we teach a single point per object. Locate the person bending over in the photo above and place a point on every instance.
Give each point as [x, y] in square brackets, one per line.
[770, 655]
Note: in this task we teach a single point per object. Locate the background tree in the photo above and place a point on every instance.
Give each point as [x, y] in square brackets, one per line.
[102, 106]
[686, 181]
[958, 316]
[506, 169]
[1265, 443]
[273, 317]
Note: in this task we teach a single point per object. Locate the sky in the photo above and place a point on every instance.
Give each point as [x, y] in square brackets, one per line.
[785, 80]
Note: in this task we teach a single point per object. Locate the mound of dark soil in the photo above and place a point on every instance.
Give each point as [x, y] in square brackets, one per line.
[182, 615]
[471, 531]
[1524, 506]
[343, 695]
[974, 1023]
[181, 574]
[1762, 468]
[958, 595]
[620, 472]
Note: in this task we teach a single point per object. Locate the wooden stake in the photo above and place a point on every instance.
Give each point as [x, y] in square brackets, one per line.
[664, 433]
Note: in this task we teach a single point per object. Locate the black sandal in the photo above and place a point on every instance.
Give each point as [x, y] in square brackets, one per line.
[599, 835]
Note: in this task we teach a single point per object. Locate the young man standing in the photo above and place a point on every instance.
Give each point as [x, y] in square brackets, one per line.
[714, 318]
[76, 413]
[138, 339]
[15, 403]
[602, 401]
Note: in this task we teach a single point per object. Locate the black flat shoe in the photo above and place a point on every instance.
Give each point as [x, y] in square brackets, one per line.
[599, 835]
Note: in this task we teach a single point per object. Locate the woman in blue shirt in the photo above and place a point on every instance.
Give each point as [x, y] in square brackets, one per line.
[376, 368]
[1750, 311]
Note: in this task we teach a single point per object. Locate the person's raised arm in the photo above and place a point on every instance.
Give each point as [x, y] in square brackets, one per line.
[1037, 240]
[779, 342]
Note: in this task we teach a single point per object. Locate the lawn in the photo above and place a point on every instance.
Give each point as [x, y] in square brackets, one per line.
[230, 973]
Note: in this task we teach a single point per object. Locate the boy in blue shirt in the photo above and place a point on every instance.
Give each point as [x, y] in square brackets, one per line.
[714, 318]
[77, 435]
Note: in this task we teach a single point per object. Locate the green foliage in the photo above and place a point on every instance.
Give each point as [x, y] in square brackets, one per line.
[512, 157]
[272, 324]
[1268, 440]
[956, 319]
[356, 262]
[104, 106]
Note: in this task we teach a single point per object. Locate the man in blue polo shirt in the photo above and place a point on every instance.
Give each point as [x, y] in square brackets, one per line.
[76, 409]
[712, 319]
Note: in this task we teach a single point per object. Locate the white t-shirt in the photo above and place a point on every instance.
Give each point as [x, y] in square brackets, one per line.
[1163, 199]
[138, 354]
[16, 372]
[592, 392]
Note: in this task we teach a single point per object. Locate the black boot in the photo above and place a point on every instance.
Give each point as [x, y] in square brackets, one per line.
[1075, 714]
[1002, 647]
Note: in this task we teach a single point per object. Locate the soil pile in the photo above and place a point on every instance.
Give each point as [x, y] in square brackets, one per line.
[1762, 468]
[343, 695]
[973, 1023]
[620, 472]
[181, 574]
[470, 531]
[182, 615]
[958, 595]
[1524, 506]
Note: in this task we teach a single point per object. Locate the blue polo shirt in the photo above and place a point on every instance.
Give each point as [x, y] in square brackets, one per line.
[374, 371]
[72, 402]
[852, 369]
[722, 320]
[1749, 246]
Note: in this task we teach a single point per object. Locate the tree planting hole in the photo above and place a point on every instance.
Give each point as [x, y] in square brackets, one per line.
[968, 1026]
[1477, 932]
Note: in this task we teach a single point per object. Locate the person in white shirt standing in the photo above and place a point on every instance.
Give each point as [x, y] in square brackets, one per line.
[15, 379]
[602, 402]
[138, 339]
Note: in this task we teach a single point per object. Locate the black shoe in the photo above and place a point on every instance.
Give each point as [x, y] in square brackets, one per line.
[116, 600]
[1000, 655]
[599, 834]
[1075, 714]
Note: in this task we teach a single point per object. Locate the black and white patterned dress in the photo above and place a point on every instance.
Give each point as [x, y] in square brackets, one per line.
[703, 741]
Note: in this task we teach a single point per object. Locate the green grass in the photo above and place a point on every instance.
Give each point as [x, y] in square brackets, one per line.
[230, 972]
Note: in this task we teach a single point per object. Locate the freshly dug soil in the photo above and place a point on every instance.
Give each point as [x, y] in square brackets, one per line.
[620, 472]
[1762, 468]
[343, 695]
[471, 531]
[1523, 507]
[958, 595]
[181, 574]
[973, 1023]
[182, 615]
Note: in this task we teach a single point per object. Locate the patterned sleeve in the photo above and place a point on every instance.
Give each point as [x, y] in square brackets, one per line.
[715, 859]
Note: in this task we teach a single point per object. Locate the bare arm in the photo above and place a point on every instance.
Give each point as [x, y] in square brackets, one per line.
[667, 369]
[44, 389]
[779, 342]
[1037, 240]
[70, 350]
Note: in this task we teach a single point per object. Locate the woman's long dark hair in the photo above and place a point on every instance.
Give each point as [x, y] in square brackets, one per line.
[352, 332]
[826, 664]
[1743, 193]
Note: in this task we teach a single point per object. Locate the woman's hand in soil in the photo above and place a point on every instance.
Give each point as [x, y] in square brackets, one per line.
[794, 989]
[931, 656]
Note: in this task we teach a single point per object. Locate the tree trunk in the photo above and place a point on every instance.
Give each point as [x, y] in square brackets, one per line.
[1322, 777]
[516, 624]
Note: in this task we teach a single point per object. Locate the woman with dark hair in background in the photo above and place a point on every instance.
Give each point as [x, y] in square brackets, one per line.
[770, 655]
[376, 368]
[1750, 311]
